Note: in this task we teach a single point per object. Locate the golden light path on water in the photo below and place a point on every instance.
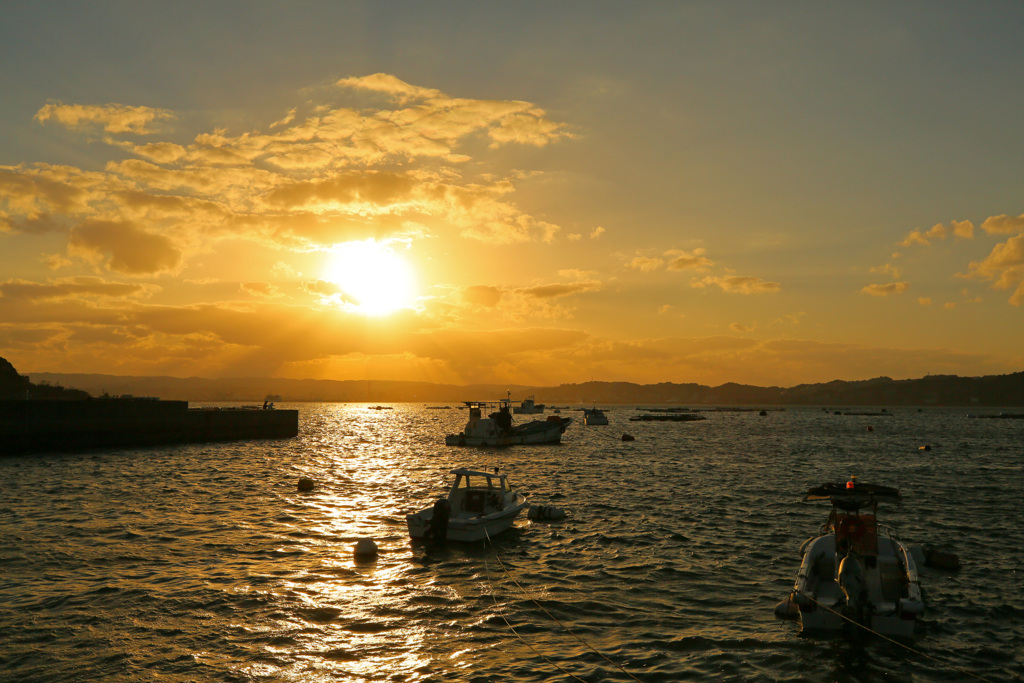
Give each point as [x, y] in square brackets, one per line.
[206, 563]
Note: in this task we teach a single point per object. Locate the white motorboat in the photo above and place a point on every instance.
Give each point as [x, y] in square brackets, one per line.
[857, 569]
[528, 407]
[497, 429]
[594, 416]
[479, 505]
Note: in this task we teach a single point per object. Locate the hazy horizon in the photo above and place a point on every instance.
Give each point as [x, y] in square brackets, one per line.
[538, 194]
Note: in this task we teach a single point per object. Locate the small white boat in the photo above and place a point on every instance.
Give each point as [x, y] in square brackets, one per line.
[479, 505]
[528, 407]
[594, 416]
[857, 569]
[497, 429]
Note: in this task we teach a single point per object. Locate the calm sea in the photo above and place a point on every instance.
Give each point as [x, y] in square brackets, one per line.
[204, 562]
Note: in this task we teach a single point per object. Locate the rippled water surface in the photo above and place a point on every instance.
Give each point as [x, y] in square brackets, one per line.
[205, 563]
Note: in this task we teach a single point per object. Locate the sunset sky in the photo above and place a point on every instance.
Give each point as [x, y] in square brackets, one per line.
[768, 193]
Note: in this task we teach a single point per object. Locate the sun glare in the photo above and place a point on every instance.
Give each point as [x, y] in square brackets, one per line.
[372, 276]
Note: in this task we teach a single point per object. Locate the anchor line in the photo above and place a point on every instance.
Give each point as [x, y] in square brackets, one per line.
[894, 642]
[512, 628]
[550, 616]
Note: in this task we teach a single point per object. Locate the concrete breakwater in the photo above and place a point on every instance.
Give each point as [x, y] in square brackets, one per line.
[42, 426]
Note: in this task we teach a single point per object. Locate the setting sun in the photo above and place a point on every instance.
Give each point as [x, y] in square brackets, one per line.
[372, 276]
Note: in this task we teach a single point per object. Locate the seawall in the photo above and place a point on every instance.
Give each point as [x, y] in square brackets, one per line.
[43, 426]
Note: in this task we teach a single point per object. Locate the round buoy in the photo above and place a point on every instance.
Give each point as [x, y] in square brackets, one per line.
[306, 484]
[870, 428]
[628, 437]
[545, 513]
[365, 549]
[787, 609]
[925, 447]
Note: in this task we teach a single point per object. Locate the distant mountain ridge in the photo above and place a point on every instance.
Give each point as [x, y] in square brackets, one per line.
[991, 390]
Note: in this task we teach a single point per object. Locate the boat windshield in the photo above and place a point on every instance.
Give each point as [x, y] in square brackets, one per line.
[476, 481]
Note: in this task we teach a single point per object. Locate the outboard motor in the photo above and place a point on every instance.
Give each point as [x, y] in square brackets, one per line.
[854, 586]
[438, 529]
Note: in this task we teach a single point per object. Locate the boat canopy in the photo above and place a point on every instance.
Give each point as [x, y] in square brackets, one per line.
[463, 475]
[853, 494]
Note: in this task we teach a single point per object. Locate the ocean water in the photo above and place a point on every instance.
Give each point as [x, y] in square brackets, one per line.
[205, 563]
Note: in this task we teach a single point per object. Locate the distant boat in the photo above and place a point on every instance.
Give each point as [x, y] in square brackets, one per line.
[497, 429]
[594, 416]
[528, 407]
[673, 417]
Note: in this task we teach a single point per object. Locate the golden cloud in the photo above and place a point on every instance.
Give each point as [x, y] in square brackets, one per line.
[69, 288]
[559, 290]
[683, 260]
[1003, 225]
[1004, 265]
[645, 264]
[886, 289]
[113, 118]
[739, 284]
[127, 248]
[320, 174]
[959, 229]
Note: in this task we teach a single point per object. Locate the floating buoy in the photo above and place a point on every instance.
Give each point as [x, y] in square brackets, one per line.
[787, 609]
[306, 484]
[545, 513]
[365, 549]
[628, 437]
[870, 428]
[925, 447]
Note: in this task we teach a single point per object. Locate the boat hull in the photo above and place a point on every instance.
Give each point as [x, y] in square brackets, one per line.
[536, 432]
[468, 529]
[892, 600]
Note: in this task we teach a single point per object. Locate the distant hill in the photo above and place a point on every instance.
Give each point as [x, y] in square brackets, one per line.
[14, 386]
[949, 390]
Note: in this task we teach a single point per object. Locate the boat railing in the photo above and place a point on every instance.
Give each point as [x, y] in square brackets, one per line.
[892, 533]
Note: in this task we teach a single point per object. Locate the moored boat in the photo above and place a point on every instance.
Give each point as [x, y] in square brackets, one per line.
[528, 407]
[594, 416]
[479, 505]
[497, 428]
[857, 570]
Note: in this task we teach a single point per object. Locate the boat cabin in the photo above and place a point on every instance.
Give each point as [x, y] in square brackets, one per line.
[477, 492]
[853, 519]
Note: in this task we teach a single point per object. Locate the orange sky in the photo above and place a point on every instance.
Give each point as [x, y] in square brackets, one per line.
[674, 193]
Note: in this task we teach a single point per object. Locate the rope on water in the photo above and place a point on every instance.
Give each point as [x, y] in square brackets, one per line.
[894, 642]
[550, 615]
[518, 635]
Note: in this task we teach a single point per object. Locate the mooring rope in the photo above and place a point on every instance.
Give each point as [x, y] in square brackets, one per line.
[549, 614]
[894, 642]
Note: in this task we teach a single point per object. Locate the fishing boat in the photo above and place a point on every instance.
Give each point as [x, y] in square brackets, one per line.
[857, 570]
[479, 505]
[528, 407]
[594, 416]
[497, 428]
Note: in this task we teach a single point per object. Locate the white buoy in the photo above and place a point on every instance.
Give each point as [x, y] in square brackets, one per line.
[545, 513]
[306, 484]
[365, 549]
